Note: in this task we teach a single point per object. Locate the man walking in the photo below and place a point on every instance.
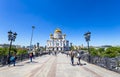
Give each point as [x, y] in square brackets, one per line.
[72, 57]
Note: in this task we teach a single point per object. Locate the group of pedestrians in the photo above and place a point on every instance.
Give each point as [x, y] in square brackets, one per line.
[53, 53]
[12, 59]
[72, 55]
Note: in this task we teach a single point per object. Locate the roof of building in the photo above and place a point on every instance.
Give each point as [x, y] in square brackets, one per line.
[58, 30]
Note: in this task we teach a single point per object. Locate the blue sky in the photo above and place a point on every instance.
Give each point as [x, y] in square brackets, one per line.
[73, 17]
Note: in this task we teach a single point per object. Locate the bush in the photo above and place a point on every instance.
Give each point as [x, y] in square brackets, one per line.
[19, 51]
[3, 51]
[109, 52]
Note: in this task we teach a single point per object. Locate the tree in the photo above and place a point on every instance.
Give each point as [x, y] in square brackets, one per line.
[3, 51]
[84, 48]
[21, 51]
[111, 52]
[101, 52]
[94, 52]
[72, 48]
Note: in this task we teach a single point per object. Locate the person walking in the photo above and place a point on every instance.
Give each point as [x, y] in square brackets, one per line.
[13, 59]
[79, 57]
[55, 53]
[8, 60]
[72, 57]
[31, 56]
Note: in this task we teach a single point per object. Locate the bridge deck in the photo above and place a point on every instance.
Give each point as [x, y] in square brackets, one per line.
[55, 66]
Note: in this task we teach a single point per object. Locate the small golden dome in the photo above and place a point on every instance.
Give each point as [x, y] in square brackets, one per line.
[51, 34]
[64, 34]
[58, 30]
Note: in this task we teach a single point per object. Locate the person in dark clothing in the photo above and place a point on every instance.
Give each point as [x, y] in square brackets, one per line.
[55, 53]
[72, 57]
[31, 56]
[8, 60]
[13, 59]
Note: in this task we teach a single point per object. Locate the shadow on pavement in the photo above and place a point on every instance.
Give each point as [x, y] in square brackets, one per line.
[79, 64]
[19, 65]
[83, 64]
[31, 62]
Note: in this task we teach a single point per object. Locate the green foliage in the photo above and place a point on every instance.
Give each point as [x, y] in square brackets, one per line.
[13, 51]
[94, 52]
[72, 48]
[84, 48]
[112, 52]
[21, 51]
[101, 50]
[75, 48]
[5, 51]
[109, 52]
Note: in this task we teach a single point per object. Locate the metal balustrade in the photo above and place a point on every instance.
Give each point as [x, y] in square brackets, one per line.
[22, 57]
[105, 62]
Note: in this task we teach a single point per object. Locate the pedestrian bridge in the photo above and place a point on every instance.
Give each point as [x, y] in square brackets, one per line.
[55, 66]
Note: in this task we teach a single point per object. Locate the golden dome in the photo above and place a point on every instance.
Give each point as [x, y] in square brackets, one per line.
[51, 34]
[58, 30]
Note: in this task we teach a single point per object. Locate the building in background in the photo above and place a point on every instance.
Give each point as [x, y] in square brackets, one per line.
[8, 45]
[57, 42]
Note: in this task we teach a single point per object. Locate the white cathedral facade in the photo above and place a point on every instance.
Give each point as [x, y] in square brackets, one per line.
[57, 42]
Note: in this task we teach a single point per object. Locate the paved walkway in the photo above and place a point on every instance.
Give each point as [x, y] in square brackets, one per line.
[54, 66]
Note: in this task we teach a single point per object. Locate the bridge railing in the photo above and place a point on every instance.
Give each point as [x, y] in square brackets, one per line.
[4, 59]
[106, 62]
[22, 57]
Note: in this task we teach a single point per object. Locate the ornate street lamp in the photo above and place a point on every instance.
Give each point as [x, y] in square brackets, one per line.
[87, 38]
[11, 37]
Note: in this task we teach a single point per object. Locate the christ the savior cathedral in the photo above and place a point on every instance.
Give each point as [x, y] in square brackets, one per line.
[57, 42]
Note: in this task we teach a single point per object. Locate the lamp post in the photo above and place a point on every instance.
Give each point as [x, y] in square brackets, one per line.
[11, 37]
[70, 46]
[87, 38]
[33, 27]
